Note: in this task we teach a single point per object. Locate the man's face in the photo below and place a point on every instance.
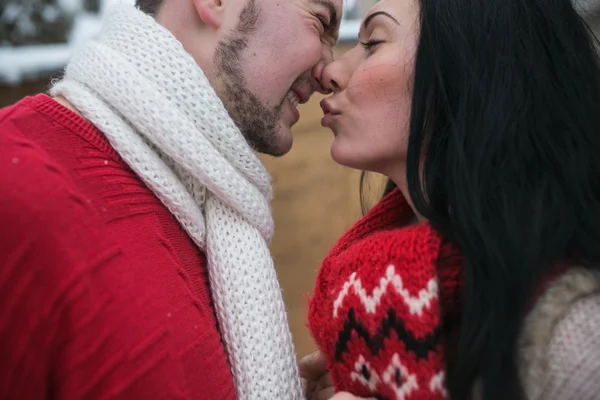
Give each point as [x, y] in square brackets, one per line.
[271, 62]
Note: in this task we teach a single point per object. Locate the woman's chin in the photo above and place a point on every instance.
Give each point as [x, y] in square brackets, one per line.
[343, 154]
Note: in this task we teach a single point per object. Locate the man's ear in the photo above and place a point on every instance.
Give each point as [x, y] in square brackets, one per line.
[211, 12]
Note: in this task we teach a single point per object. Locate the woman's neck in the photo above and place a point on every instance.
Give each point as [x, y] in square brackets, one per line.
[398, 176]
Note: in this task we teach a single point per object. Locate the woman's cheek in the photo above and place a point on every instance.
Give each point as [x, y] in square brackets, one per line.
[382, 83]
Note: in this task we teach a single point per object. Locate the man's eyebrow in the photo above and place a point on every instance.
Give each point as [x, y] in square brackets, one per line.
[333, 22]
[370, 18]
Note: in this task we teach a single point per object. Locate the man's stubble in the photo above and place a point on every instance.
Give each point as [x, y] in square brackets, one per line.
[257, 122]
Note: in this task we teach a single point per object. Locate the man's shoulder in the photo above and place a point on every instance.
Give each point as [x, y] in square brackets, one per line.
[20, 110]
[37, 195]
[35, 180]
[26, 169]
[22, 126]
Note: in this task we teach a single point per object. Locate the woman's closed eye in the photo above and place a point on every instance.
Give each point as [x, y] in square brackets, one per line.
[371, 44]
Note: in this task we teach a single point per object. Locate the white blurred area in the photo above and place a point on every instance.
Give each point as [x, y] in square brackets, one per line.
[29, 62]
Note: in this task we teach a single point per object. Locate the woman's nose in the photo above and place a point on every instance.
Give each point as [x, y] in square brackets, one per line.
[336, 74]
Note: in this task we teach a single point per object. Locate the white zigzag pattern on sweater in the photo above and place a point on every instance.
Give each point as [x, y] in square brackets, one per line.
[416, 304]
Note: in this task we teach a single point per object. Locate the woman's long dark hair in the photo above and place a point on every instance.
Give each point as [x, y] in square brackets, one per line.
[504, 160]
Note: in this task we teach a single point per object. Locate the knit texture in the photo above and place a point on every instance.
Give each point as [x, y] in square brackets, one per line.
[560, 341]
[573, 363]
[102, 294]
[377, 307]
[139, 86]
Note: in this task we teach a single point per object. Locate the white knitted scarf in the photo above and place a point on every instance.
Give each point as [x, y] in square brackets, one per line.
[138, 85]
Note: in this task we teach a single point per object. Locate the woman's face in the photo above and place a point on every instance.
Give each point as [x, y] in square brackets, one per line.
[370, 108]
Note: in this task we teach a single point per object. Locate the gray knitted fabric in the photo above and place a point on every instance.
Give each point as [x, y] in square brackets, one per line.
[559, 345]
[574, 354]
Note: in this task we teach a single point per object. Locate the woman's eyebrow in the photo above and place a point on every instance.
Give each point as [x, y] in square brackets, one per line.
[370, 18]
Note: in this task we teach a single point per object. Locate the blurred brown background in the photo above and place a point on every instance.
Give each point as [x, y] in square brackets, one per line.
[315, 201]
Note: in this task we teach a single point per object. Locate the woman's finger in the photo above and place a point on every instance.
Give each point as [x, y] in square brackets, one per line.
[349, 396]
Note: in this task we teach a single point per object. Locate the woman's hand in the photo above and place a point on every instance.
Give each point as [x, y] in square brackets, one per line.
[316, 380]
[348, 396]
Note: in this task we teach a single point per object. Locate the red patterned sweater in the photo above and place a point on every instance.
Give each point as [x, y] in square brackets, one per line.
[381, 305]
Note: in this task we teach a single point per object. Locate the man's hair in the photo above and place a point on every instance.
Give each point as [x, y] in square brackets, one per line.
[150, 7]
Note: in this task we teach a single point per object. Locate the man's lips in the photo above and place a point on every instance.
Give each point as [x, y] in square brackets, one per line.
[295, 112]
[303, 95]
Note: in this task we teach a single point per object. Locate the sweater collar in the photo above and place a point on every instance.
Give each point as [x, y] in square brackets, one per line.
[394, 212]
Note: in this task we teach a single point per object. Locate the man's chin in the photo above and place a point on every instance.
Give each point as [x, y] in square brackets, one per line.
[285, 140]
[282, 144]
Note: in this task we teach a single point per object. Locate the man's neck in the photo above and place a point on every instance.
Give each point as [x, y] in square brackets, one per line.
[67, 104]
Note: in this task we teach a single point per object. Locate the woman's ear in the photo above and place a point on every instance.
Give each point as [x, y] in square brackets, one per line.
[211, 12]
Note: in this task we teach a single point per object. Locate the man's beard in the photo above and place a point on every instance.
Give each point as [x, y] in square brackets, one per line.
[257, 122]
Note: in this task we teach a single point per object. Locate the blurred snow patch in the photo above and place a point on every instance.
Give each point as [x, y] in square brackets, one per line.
[18, 63]
[71, 6]
[31, 62]
[107, 4]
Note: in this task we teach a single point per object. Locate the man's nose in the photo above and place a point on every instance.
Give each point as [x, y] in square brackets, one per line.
[317, 71]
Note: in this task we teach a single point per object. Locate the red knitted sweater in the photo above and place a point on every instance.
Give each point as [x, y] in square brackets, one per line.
[382, 299]
[102, 293]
